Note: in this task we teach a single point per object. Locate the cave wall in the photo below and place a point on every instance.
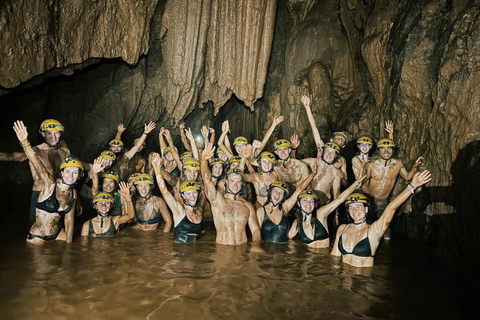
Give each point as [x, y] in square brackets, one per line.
[363, 62]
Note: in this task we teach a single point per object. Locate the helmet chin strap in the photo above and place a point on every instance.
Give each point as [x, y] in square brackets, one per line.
[357, 223]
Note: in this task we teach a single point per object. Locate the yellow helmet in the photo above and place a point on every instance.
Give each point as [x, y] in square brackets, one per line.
[364, 140]
[332, 145]
[71, 163]
[235, 159]
[112, 175]
[109, 155]
[186, 154]
[268, 156]
[385, 143]
[343, 134]
[192, 164]
[219, 150]
[240, 140]
[116, 142]
[307, 194]
[235, 171]
[51, 125]
[357, 198]
[103, 196]
[282, 143]
[144, 178]
[217, 160]
[280, 184]
[189, 185]
[167, 150]
[133, 177]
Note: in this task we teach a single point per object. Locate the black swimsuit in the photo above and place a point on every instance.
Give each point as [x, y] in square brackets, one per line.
[361, 249]
[187, 231]
[272, 232]
[110, 232]
[175, 172]
[51, 204]
[320, 232]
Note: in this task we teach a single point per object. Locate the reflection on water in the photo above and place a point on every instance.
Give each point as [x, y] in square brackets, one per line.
[144, 275]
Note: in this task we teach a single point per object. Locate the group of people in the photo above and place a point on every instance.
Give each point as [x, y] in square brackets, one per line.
[271, 193]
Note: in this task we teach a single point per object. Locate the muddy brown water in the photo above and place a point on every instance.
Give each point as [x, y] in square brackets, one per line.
[144, 275]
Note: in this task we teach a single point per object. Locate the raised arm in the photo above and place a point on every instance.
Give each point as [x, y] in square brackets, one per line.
[174, 151]
[69, 219]
[161, 141]
[98, 166]
[14, 156]
[174, 205]
[210, 189]
[381, 225]
[129, 211]
[330, 207]
[259, 148]
[184, 138]
[409, 175]
[389, 128]
[148, 128]
[120, 130]
[295, 142]
[191, 139]
[22, 135]
[253, 225]
[221, 140]
[316, 134]
[212, 135]
[290, 202]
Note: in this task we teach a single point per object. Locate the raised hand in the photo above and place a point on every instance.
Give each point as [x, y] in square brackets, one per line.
[421, 178]
[225, 126]
[295, 141]
[189, 134]
[389, 126]
[167, 135]
[204, 132]
[124, 191]
[20, 130]
[120, 127]
[98, 165]
[278, 120]
[149, 127]
[211, 130]
[208, 151]
[162, 131]
[306, 101]
[157, 161]
[182, 126]
[256, 144]
[419, 161]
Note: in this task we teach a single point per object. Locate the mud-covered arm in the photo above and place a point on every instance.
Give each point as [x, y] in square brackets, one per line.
[148, 128]
[174, 151]
[69, 219]
[253, 225]
[330, 207]
[259, 148]
[14, 156]
[409, 175]
[191, 139]
[381, 225]
[210, 189]
[22, 135]
[221, 140]
[212, 136]
[293, 230]
[129, 211]
[389, 128]
[290, 202]
[97, 167]
[335, 252]
[316, 134]
[295, 142]
[186, 145]
[120, 130]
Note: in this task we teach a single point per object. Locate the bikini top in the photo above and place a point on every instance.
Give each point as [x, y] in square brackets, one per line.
[361, 249]
[51, 204]
[176, 172]
[272, 232]
[320, 232]
[152, 219]
[110, 232]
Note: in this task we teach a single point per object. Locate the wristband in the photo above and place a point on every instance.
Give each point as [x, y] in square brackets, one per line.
[25, 145]
[411, 187]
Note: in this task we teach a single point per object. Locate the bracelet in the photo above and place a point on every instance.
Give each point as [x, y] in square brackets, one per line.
[25, 145]
[145, 133]
[411, 187]
[125, 203]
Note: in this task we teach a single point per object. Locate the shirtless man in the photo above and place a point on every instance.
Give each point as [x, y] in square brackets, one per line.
[382, 172]
[339, 138]
[289, 170]
[51, 153]
[148, 208]
[116, 145]
[231, 213]
[263, 178]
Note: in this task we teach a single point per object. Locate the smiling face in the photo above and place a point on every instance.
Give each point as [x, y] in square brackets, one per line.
[385, 152]
[266, 165]
[217, 170]
[364, 147]
[239, 147]
[191, 174]
[108, 185]
[51, 137]
[340, 140]
[307, 204]
[70, 175]
[235, 183]
[103, 207]
[283, 153]
[190, 197]
[277, 195]
[329, 155]
[357, 211]
[116, 149]
[169, 156]
[144, 190]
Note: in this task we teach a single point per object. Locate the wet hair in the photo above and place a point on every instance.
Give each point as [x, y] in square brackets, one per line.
[299, 213]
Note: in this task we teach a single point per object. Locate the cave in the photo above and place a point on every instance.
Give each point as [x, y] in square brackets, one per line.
[93, 65]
